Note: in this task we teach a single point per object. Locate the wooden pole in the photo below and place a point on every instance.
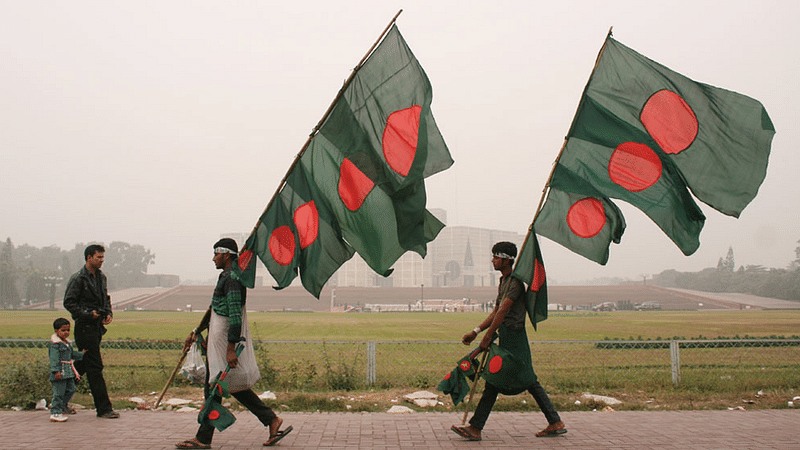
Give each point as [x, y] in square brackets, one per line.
[319, 124]
[564, 145]
[475, 385]
[184, 352]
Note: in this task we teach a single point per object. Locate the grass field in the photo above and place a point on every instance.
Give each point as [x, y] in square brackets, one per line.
[429, 326]
[329, 375]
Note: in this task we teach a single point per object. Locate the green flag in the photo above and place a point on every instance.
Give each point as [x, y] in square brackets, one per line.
[649, 136]
[299, 233]
[530, 270]
[372, 153]
[579, 217]
[361, 177]
[719, 140]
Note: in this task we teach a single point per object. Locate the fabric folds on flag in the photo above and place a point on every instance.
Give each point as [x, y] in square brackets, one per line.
[361, 177]
[650, 136]
[530, 270]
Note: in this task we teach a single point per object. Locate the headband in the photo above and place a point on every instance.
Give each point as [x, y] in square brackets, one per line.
[225, 250]
[503, 255]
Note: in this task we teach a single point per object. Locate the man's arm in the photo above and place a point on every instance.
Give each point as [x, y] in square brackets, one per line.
[497, 320]
[72, 300]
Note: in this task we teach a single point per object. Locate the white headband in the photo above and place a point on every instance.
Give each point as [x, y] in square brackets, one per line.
[503, 255]
[225, 250]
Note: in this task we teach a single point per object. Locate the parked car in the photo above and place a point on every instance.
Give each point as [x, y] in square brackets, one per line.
[605, 306]
[648, 306]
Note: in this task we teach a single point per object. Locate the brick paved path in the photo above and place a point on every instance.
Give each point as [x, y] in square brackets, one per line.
[666, 430]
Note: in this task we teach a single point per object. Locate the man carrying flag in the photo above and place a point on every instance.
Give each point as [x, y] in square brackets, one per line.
[226, 321]
[508, 321]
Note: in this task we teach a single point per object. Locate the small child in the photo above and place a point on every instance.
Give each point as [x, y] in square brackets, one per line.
[62, 370]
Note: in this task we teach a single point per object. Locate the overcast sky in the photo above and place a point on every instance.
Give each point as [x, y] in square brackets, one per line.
[166, 124]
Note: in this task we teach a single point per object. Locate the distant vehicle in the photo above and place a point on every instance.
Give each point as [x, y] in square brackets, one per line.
[648, 306]
[605, 306]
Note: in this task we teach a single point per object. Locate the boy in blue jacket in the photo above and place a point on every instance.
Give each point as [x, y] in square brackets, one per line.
[62, 370]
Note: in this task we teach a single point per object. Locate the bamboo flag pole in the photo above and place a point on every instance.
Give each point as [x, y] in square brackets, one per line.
[321, 121]
[185, 351]
[564, 145]
[474, 386]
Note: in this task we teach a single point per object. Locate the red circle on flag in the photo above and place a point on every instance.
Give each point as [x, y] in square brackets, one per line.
[495, 364]
[670, 121]
[634, 166]
[447, 377]
[586, 217]
[538, 276]
[354, 186]
[213, 415]
[465, 365]
[281, 245]
[244, 259]
[306, 219]
[400, 139]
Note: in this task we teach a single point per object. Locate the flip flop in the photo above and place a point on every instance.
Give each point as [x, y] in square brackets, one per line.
[462, 431]
[192, 443]
[551, 433]
[278, 436]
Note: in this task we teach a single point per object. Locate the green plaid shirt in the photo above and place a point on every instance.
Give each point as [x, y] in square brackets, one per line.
[228, 301]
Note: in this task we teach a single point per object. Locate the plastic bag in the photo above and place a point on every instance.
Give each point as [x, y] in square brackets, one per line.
[194, 368]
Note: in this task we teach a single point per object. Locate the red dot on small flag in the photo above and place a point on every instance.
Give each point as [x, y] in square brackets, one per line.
[465, 365]
[538, 276]
[244, 259]
[634, 166]
[354, 186]
[586, 217]
[447, 377]
[400, 139]
[213, 415]
[495, 364]
[670, 121]
[281, 245]
[306, 219]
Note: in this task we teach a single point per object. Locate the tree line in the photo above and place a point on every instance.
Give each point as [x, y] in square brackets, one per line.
[751, 279]
[30, 274]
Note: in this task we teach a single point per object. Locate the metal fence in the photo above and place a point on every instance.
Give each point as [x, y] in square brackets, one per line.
[723, 365]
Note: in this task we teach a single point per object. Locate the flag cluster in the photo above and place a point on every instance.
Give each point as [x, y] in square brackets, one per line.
[359, 185]
[648, 135]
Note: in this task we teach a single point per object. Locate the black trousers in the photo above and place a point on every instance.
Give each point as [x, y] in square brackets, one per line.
[250, 400]
[489, 397]
[88, 336]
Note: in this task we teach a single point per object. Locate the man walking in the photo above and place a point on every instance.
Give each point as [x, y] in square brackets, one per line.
[226, 321]
[508, 320]
[87, 299]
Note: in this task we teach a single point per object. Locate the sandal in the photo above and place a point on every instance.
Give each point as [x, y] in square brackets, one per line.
[278, 436]
[192, 443]
[466, 433]
[554, 429]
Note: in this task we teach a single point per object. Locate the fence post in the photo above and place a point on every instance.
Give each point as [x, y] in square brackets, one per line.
[675, 358]
[371, 363]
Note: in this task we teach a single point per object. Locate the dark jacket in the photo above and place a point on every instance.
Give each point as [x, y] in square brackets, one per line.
[85, 294]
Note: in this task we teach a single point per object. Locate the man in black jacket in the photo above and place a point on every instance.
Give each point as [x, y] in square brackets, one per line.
[87, 299]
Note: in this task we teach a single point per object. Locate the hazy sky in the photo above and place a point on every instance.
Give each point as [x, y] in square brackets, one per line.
[168, 123]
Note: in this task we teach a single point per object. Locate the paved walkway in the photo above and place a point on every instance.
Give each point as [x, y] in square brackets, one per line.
[146, 430]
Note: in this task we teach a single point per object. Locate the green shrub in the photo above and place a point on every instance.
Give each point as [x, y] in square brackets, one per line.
[24, 383]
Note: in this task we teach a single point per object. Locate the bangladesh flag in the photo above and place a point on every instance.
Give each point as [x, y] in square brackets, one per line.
[359, 183]
[299, 234]
[650, 136]
[579, 217]
[530, 270]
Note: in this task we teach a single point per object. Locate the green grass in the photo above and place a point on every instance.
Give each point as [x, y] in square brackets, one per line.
[312, 376]
[427, 326]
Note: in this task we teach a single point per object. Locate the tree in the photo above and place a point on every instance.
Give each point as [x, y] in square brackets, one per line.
[126, 265]
[728, 264]
[9, 296]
